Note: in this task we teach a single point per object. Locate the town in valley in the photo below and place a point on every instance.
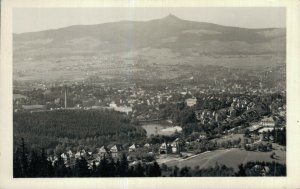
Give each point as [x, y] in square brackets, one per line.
[167, 108]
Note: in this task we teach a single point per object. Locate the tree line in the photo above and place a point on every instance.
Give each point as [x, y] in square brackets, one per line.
[30, 163]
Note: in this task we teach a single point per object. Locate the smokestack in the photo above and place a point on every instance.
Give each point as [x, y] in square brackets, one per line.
[65, 98]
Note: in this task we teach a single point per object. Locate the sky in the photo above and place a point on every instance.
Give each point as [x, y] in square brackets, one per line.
[38, 19]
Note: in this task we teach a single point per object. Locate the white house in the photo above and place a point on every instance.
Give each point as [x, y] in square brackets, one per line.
[115, 150]
[177, 145]
[190, 102]
[267, 122]
[165, 148]
[123, 109]
[147, 145]
[132, 148]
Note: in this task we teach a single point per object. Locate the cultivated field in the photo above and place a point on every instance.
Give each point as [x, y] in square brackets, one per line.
[229, 157]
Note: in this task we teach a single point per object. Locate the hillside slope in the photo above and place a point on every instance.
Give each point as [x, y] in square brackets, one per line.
[166, 41]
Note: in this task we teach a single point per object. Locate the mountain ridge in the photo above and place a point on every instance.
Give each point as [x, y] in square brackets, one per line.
[164, 18]
[156, 30]
[166, 41]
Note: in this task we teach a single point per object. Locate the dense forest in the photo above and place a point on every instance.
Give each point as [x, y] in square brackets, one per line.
[74, 128]
[31, 163]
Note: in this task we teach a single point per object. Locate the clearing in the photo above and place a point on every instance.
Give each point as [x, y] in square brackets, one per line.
[229, 157]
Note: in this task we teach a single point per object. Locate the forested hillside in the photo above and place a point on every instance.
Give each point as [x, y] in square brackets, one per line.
[74, 128]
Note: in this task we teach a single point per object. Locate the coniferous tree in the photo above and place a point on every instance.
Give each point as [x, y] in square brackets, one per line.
[81, 168]
[184, 172]
[60, 169]
[111, 168]
[21, 160]
[94, 169]
[124, 166]
[17, 168]
[104, 168]
[241, 171]
[139, 170]
[34, 165]
[44, 169]
[50, 169]
[118, 168]
[24, 158]
[156, 170]
[175, 171]
[131, 172]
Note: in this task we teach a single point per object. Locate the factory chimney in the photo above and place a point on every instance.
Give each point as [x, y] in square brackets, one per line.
[65, 98]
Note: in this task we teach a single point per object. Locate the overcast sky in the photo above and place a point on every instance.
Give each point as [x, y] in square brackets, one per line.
[37, 19]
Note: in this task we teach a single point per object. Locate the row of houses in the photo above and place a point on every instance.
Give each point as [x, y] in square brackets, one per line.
[114, 151]
[206, 116]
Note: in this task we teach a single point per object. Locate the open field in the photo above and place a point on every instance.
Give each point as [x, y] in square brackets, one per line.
[229, 138]
[229, 157]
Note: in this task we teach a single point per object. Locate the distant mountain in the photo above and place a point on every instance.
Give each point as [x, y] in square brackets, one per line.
[170, 47]
[187, 38]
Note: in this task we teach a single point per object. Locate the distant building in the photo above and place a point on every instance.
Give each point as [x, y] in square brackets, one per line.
[64, 156]
[116, 150]
[102, 108]
[70, 154]
[57, 101]
[267, 122]
[184, 93]
[113, 105]
[123, 109]
[159, 99]
[80, 154]
[190, 102]
[165, 148]
[265, 129]
[202, 136]
[132, 148]
[102, 152]
[77, 155]
[34, 107]
[177, 145]
[19, 97]
[198, 114]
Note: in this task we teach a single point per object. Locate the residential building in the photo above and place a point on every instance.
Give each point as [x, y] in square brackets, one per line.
[267, 122]
[34, 107]
[102, 152]
[165, 148]
[190, 102]
[177, 145]
[132, 148]
[116, 150]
